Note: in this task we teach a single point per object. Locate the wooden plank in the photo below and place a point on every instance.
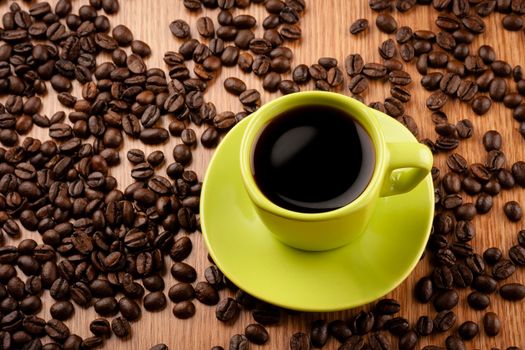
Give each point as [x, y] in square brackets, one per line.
[325, 33]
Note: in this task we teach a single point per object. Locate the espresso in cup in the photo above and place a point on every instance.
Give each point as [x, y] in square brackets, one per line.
[312, 159]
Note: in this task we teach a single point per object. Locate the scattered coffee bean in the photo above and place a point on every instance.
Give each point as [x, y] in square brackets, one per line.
[359, 26]
[491, 324]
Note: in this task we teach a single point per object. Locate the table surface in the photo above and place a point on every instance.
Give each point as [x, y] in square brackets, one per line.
[325, 33]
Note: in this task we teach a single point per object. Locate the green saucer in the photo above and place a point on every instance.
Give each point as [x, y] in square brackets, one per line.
[356, 274]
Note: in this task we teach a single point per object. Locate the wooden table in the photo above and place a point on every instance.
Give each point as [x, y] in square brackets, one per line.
[325, 33]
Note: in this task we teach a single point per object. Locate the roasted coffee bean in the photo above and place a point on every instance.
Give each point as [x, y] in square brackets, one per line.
[227, 310]
[57, 330]
[394, 107]
[387, 307]
[234, 85]
[446, 300]
[358, 84]
[256, 334]
[100, 327]
[154, 301]
[120, 327]
[478, 301]
[424, 326]
[373, 70]
[106, 306]
[266, 315]
[454, 342]
[339, 330]
[443, 277]
[353, 64]
[386, 23]
[481, 104]
[360, 25]
[512, 291]
[129, 309]
[180, 292]
[397, 326]
[299, 341]
[206, 294]
[436, 100]
[498, 89]
[468, 330]
[513, 211]
[432, 81]
[399, 78]
[491, 324]
[159, 347]
[238, 342]
[184, 309]
[444, 320]
[503, 269]
[408, 340]
[424, 290]
[362, 323]
[388, 49]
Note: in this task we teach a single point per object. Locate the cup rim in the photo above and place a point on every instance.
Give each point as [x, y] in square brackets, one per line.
[270, 110]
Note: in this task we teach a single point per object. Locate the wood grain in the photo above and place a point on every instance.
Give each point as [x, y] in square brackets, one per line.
[325, 33]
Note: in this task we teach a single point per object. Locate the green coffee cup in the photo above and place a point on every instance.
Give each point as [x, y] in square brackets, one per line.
[399, 167]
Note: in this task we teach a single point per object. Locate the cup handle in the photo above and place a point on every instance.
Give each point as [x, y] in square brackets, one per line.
[409, 163]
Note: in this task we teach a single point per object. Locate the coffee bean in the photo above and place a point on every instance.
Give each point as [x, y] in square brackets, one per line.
[443, 277]
[340, 330]
[106, 306]
[386, 23]
[129, 309]
[503, 269]
[358, 84]
[478, 301]
[444, 320]
[353, 64]
[154, 135]
[399, 77]
[206, 294]
[397, 326]
[512, 291]
[424, 326]
[498, 89]
[234, 85]
[423, 290]
[62, 310]
[394, 107]
[491, 324]
[446, 300]
[120, 327]
[436, 100]
[360, 25]
[100, 327]
[266, 315]
[468, 330]
[184, 309]
[481, 104]
[238, 342]
[154, 301]
[512, 210]
[387, 49]
[408, 340]
[454, 342]
[159, 347]
[299, 341]
[227, 310]
[373, 70]
[56, 330]
[123, 35]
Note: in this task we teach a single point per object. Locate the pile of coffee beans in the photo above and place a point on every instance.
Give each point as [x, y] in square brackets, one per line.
[104, 247]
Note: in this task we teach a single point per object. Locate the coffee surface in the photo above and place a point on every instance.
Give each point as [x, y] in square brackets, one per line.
[313, 159]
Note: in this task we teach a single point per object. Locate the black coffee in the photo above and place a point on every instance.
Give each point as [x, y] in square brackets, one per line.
[313, 159]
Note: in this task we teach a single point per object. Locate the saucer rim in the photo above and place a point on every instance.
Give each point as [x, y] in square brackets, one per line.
[311, 308]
